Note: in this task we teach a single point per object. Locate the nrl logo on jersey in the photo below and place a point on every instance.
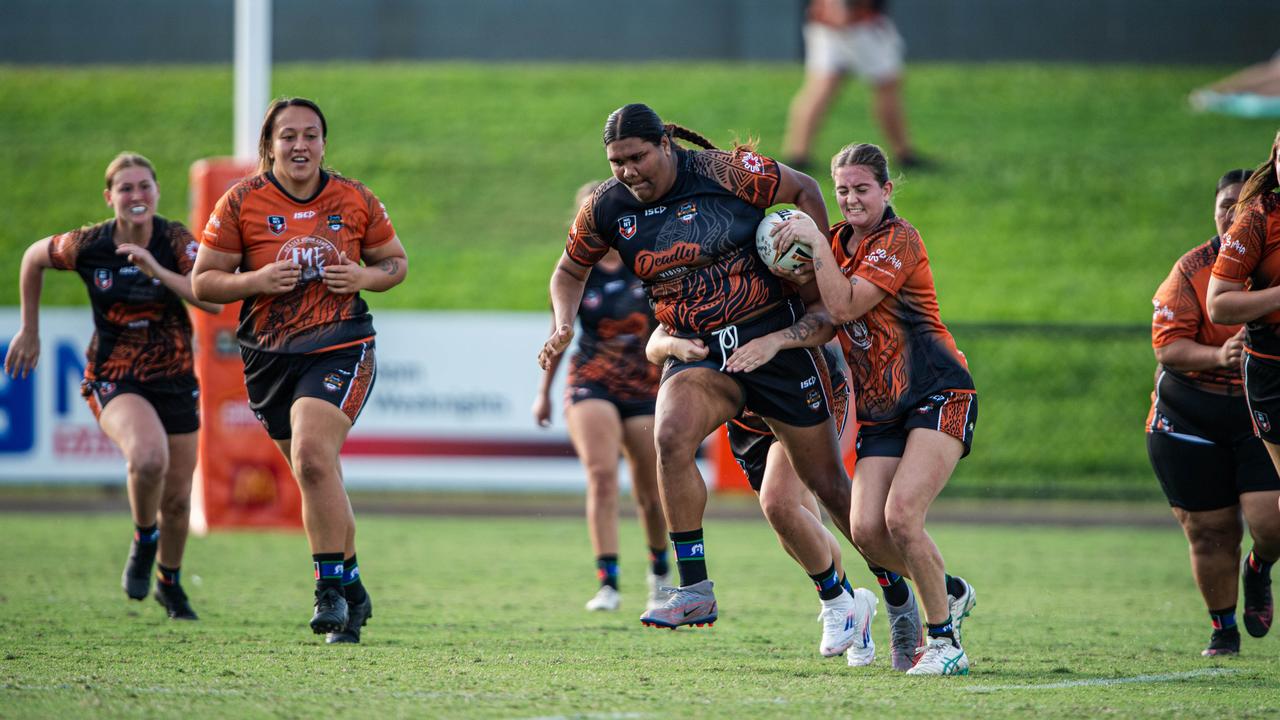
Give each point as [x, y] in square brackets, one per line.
[102, 278]
[627, 227]
[275, 223]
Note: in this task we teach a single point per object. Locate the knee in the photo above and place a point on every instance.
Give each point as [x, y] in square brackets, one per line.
[780, 511]
[176, 506]
[869, 534]
[312, 464]
[1213, 539]
[675, 444]
[902, 524]
[148, 463]
[602, 479]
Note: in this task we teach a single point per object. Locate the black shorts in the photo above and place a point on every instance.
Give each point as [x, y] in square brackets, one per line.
[750, 438]
[1262, 389]
[176, 400]
[1203, 448]
[788, 388]
[953, 412]
[342, 377]
[595, 391]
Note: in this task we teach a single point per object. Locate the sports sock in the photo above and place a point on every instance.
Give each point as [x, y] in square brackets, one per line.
[149, 534]
[1224, 619]
[607, 570]
[658, 561]
[168, 576]
[827, 583]
[690, 556]
[844, 583]
[1259, 565]
[352, 587]
[944, 629]
[895, 589]
[955, 588]
[328, 570]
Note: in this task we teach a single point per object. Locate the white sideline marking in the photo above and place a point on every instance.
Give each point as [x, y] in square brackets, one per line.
[1166, 677]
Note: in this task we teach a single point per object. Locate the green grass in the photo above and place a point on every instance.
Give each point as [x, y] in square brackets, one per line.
[1065, 193]
[483, 618]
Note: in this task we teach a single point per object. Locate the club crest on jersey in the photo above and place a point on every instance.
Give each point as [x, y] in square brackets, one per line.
[687, 212]
[627, 227]
[333, 382]
[275, 223]
[1263, 422]
[752, 162]
[335, 222]
[102, 278]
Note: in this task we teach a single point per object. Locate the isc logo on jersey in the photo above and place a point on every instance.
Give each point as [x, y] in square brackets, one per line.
[312, 253]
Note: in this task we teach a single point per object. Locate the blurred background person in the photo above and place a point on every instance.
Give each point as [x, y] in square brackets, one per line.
[609, 400]
[139, 378]
[1201, 443]
[843, 37]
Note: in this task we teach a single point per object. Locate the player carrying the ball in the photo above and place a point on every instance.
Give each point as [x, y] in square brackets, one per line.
[684, 221]
[915, 398]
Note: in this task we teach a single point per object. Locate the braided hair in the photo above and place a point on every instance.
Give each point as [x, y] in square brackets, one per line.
[640, 121]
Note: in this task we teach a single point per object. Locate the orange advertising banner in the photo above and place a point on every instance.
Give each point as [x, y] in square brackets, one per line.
[242, 480]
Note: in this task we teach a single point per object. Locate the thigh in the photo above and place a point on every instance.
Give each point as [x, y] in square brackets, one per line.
[1215, 523]
[782, 486]
[926, 466]
[133, 424]
[596, 431]
[814, 451]
[637, 440]
[1262, 512]
[694, 402]
[872, 478]
[319, 427]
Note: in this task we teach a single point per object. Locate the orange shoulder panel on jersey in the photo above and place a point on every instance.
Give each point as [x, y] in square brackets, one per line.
[222, 232]
[1247, 242]
[751, 176]
[892, 253]
[65, 247]
[1177, 302]
[584, 245]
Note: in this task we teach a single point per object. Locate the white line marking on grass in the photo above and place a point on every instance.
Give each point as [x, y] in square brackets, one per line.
[1165, 677]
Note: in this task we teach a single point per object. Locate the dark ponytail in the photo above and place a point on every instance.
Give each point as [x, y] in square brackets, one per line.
[1263, 180]
[640, 121]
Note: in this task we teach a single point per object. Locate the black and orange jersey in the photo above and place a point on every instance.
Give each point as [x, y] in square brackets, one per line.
[616, 323]
[695, 247]
[263, 223]
[1181, 312]
[835, 384]
[1250, 254]
[899, 351]
[141, 328]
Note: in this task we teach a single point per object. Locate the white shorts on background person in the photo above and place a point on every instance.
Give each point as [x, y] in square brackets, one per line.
[872, 50]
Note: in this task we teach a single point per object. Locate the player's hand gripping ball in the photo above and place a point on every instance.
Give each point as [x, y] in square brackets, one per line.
[791, 258]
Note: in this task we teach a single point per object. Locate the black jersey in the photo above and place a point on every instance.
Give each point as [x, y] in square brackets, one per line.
[616, 322]
[695, 247]
[141, 328]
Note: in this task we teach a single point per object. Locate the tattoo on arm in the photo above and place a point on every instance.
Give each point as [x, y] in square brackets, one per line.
[390, 266]
[817, 264]
[804, 328]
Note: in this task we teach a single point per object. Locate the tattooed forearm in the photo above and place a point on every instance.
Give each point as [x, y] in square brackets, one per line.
[817, 264]
[390, 266]
[804, 328]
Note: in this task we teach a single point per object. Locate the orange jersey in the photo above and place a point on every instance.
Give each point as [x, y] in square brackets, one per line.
[1250, 254]
[899, 351]
[1181, 312]
[262, 223]
[141, 328]
[694, 247]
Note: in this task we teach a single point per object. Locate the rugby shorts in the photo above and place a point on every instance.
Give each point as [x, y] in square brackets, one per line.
[175, 399]
[954, 412]
[343, 377]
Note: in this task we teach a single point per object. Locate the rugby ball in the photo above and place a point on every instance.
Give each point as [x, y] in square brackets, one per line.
[794, 257]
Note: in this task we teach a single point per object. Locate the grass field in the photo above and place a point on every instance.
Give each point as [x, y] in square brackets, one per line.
[1065, 192]
[483, 618]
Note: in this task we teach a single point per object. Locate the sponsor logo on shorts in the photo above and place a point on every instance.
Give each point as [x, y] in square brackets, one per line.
[275, 223]
[810, 382]
[687, 212]
[333, 382]
[627, 226]
[1264, 422]
[102, 278]
[814, 399]
[335, 222]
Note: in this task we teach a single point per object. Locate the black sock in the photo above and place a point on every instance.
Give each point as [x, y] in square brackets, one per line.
[168, 576]
[945, 629]
[1257, 564]
[1224, 620]
[895, 589]
[844, 582]
[149, 534]
[955, 588]
[827, 583]
[328, 570]
[690, 556]
[607, 570]
[658, 562]
[352, 587]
